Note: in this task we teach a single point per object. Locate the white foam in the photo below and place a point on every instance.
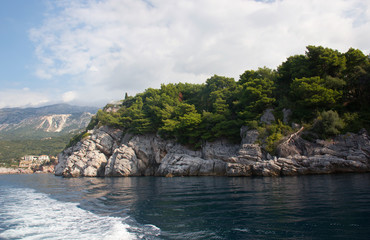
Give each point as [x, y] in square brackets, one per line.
[27, 214]
[241, 229]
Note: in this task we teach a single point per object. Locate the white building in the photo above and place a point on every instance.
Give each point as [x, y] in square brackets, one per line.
[30, 158]
[44, 158]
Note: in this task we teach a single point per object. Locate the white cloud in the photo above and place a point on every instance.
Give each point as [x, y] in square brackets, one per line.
[116, 46]
[69, 96]
[22, 97]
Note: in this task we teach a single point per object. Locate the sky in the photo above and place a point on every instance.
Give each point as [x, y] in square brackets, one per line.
[91, 52]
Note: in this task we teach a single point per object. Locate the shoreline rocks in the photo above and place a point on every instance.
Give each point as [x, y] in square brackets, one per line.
[4, 171]
[107, 152]
[42, 169]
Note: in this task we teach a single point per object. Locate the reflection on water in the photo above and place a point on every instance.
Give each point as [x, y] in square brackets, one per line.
[313, 207]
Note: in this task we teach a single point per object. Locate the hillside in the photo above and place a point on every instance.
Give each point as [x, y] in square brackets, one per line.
[324, 90]
[16, 115]
[39, 131]
[309, 116]
[43, 122]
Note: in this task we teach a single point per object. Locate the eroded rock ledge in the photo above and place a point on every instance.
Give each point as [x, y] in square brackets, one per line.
[109, 152]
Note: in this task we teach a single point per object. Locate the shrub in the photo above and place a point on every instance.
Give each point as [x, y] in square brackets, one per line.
[328, 124]
[352, 122]
[270, 135]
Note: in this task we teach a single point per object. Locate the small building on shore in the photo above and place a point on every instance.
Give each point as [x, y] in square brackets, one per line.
[30, 158]
[44, 158]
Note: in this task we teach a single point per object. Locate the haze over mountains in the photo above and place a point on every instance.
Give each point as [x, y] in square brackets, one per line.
[42, 122]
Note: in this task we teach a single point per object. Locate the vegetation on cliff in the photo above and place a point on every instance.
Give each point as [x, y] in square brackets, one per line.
[326, 90]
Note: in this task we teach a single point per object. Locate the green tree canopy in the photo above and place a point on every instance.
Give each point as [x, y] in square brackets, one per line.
[312, 94]
[321, 80]
[256, 94]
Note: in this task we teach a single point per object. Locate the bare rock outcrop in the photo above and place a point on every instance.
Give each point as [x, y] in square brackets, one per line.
[107, 152]
[219, 149]
[4, 170]
[89, 157]
[185, 165]
[345, 153]
[249, 136]
[268, 116]
[123, 162]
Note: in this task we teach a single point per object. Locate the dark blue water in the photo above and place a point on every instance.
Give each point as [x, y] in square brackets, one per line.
[305, 207]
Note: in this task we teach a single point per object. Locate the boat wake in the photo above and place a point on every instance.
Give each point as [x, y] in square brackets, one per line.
[27, 214]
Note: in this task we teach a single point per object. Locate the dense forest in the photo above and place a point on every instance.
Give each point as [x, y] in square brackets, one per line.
[326, 91]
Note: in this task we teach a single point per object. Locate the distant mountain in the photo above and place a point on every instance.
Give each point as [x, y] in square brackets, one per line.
[43, 122]
[16, 115]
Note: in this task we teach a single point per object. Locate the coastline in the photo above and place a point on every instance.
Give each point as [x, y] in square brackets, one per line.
[7, 171]
[108, 152]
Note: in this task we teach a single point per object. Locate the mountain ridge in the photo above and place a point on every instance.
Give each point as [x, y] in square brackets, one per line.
[14, 115]
[43, 122]
[39, 131]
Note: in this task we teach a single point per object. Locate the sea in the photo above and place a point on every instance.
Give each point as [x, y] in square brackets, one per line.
[43, 206]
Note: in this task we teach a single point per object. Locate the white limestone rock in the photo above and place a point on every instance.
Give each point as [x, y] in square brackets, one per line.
[88, 157]
[219, 149]
[107, 153]
[185, 165]
[249, 136]
[123, 162]
[251, 152]
[238, 170]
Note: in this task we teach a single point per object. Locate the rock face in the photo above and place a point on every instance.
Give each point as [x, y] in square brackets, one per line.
[268, 116]
[346, 153]
[110, 152]
[89, 157]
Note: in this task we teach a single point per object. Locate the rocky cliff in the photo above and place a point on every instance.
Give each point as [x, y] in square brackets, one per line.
[110, 152]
